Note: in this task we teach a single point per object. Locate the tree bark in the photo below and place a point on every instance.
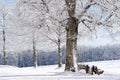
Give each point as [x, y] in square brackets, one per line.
[71, 37]
[59, 53]
[71, 45]
[34, 54]
[4, 48]
[4, 42]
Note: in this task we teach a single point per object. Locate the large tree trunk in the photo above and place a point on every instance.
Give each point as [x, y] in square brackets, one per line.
[71, 40]
[60, 54]
[71, 45]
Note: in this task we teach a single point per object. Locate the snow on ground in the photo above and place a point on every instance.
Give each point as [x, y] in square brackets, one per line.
[52, 72]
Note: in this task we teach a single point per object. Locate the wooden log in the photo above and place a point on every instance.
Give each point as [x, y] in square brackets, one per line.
[92, 70]
[85, 67]
[95, 70]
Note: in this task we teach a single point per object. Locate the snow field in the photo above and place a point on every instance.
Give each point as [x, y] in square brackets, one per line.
[52, 72]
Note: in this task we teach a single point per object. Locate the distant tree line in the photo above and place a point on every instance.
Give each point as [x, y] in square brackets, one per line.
[85, 54]
[101, 53]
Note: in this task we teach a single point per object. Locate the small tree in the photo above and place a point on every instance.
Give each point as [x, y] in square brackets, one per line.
[34, 49]
[32, 15]
[57, 36]
[4, 12]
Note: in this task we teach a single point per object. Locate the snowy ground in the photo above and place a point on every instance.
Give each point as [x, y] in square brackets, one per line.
[111, 68]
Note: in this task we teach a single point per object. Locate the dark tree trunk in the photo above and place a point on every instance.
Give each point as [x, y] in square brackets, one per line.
[4, 43]
[34, 54]
[71, 45]
[71, 37]
[4, 48]
[59, 53]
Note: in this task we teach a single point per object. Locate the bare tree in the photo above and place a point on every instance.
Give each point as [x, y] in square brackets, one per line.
[4, 41]
[34, 49]
[32, 15]
[4, 16]
[82, 13]
[56, 34]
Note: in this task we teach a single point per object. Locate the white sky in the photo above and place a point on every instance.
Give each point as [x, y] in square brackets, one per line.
[103, 36]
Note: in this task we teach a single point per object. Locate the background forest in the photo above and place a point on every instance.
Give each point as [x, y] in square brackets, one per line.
[85, 53]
